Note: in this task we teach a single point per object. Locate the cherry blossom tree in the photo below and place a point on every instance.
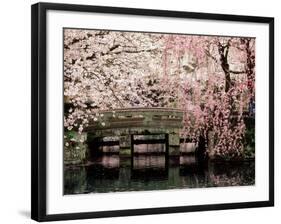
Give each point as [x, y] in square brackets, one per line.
[214, 103]
[210, 78]
[97, 65]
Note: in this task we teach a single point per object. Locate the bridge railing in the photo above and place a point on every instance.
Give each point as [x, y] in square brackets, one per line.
[138, 117]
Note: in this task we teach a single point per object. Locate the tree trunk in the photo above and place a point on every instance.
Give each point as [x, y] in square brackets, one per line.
[223, 52]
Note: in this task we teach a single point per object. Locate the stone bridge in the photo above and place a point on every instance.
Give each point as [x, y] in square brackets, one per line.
[127, 123]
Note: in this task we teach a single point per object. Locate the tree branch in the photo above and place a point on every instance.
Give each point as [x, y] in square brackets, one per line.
[237, 72]
[211, 56]
[112, 91]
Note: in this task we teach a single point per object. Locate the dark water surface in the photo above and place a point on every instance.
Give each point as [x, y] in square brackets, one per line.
[109, 173]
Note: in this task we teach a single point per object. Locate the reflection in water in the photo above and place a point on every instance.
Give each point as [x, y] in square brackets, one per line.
[146, 172]
[110, 161]
[109, 149]
[149, 148]
[148, 169]
[187, 147]
[144, 162]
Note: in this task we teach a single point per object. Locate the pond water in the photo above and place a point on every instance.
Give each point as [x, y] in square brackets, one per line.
[110, 173]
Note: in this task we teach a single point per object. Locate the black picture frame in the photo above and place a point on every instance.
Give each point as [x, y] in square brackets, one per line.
[39, 108]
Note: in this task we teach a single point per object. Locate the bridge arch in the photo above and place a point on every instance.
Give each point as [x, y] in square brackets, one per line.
[128, 122]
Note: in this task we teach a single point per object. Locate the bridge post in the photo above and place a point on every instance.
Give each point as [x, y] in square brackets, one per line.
[174, 139]
[125, 146]
[174, 144]
[125, 141]
[125, 151]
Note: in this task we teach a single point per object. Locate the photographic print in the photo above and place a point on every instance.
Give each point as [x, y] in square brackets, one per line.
[157, 111]
[144, 111]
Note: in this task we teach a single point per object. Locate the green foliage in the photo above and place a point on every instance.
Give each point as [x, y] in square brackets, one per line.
[74, 149]
[249, 140]
[70, 134]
